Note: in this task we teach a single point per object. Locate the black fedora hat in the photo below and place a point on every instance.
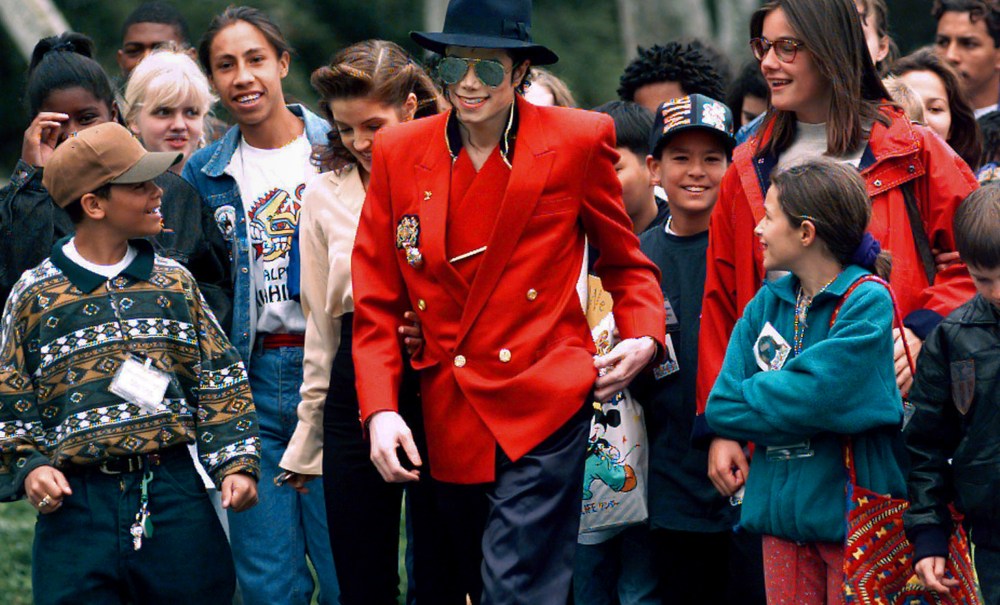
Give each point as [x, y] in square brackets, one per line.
[487, 24]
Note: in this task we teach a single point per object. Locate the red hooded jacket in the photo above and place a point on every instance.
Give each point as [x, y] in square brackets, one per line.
[895, 154]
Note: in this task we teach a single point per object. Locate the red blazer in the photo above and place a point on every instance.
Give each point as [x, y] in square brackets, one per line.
[898, 153]
[508, 359]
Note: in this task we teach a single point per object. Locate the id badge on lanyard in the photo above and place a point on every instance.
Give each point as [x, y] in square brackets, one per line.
[137, 381]
[670, 366]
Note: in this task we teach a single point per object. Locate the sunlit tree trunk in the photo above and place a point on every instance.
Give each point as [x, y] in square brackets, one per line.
[28, 21]
[434, 11]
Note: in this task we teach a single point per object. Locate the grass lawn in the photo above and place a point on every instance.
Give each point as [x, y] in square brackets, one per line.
[17, 529]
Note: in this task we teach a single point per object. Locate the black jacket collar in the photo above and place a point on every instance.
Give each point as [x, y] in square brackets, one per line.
[453, 136]
[979, 311]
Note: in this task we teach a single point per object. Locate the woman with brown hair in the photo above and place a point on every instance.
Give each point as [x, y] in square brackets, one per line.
[946, 109]
[827, 99]
[367, 86]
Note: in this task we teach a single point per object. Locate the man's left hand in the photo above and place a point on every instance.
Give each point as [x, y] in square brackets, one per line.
[618, 368]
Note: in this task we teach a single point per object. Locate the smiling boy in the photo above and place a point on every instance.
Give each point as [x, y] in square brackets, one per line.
[111, 363]
[690, 142]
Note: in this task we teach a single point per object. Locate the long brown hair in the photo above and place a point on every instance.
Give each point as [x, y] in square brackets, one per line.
[964, 136]
[831, 32]
[833, 196]
[377, 69]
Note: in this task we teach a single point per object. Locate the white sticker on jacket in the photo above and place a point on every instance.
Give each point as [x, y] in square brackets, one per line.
[771, 349]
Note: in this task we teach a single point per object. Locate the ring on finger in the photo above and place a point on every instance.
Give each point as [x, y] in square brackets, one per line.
[45, 501]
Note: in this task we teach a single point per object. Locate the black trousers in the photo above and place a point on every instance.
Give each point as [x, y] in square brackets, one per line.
[709, 568]
[83, 551]
[363, 511]
[517, 536]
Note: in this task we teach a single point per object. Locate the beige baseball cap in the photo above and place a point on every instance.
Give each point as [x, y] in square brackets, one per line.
[101, 155]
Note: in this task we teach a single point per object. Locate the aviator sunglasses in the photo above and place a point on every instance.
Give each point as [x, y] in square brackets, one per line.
[784, 48]
[490, 72]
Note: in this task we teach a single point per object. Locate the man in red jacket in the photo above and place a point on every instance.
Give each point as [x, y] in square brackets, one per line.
[477, 219]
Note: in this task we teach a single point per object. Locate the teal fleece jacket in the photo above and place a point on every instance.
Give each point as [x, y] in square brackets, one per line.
[842, 383]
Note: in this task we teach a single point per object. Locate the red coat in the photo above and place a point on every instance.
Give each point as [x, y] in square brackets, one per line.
[508, 359]
[901, 152]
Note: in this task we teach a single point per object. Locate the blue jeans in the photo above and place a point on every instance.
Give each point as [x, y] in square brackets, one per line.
[270, 541]
[618, 570]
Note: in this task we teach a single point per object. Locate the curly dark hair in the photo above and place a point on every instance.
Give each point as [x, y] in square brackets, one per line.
[686, 63]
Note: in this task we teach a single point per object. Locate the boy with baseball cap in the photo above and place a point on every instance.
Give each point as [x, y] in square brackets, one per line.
[110, 364]
[690, 145]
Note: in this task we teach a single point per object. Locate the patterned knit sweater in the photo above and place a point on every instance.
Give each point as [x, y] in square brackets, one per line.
[65, 333]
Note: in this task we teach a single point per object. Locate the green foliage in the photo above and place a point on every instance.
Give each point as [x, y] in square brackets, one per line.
[17, 530]
[583, 32]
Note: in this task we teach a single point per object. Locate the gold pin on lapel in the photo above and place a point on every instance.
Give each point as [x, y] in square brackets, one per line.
[427, 195]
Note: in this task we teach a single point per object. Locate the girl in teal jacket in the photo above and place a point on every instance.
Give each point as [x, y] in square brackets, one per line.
[796, 386]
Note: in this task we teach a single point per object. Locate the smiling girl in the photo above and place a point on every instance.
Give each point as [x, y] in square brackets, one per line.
[827, 100]
[783, 383]
[252, 180]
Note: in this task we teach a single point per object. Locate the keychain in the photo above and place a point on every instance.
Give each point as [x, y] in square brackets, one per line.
[143, 526]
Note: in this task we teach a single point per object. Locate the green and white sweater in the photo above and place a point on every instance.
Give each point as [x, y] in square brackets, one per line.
[62, 343]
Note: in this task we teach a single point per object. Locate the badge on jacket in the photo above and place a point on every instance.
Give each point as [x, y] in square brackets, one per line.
[408, 239]
[963, 384]
[771, 349]
[408, 232]
[225, 219]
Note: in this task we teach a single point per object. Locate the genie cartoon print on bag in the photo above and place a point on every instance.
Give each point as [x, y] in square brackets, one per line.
[614, 478]
[605, 462]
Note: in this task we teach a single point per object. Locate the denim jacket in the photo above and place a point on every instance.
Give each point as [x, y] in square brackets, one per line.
[206, 170]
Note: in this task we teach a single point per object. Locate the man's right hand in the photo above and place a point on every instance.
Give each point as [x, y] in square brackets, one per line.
[930, 570]
[727, 466]
[46, 486]
[388, 431]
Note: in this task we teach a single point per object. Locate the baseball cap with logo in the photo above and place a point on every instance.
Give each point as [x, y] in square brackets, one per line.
[101, 155]
[686, 113]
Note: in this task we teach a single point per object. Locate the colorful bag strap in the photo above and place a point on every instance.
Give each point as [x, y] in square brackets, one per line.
[898, 322]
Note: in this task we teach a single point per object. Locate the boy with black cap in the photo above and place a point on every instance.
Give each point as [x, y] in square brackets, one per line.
[476, 218]
[696, 549]
[110, 363]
